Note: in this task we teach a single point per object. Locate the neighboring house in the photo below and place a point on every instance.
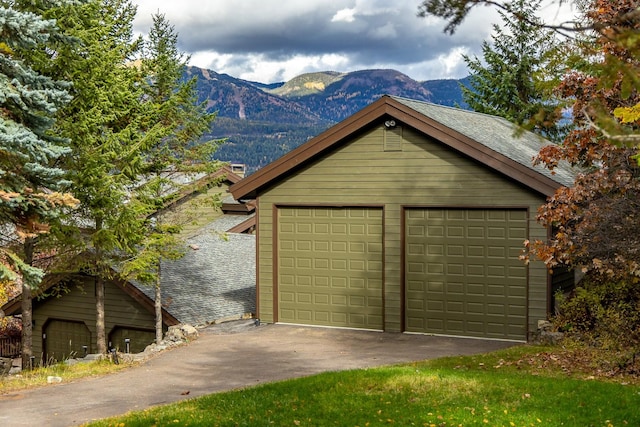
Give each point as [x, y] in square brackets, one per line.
[193, 206]
[406, 216]
[215, 280]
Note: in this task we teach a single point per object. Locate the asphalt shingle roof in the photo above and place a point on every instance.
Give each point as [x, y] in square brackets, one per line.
[495, 133]
[216, 277]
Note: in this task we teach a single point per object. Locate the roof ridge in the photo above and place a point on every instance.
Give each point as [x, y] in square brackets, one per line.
[449, 107]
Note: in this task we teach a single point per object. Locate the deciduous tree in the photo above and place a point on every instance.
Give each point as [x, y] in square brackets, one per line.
[596, 220]
[616, 28]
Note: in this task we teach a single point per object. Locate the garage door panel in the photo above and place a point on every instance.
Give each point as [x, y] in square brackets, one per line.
[463, 275]
[63, 339]
[338, 268]
[139, 339]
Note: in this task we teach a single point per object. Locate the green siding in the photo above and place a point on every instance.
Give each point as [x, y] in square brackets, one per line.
[78, 304]
[197, 210]
[422, 173]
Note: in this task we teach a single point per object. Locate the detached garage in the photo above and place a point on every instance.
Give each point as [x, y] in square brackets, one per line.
[407, 216]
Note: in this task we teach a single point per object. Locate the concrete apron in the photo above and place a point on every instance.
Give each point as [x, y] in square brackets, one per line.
[225, 357]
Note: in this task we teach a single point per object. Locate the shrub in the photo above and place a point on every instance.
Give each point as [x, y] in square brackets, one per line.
[606, 315]
[10, 327]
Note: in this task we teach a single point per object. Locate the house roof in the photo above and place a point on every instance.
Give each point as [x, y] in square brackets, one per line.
[216, 277]
[193, 183]
[490, 140]
[13, 306]
[214, 280]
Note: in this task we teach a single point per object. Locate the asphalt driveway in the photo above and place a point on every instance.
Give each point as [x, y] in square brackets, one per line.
[224, 357]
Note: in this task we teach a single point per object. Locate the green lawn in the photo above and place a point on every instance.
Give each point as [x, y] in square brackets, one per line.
[522, 386]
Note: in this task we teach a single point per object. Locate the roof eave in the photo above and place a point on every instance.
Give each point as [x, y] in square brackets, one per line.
[249, 187]
[14, 306]
[485, 155]
[387, 106]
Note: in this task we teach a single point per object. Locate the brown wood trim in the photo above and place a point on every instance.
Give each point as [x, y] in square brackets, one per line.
[145, 301]
[257, 230]
[221, 175]
[549, 281]
[248, 187]
[331, 205]
[403, 269]
[14, 306]
[472, 148]
[528, 279]
[385, 107]
[239, 208]
[244, 226]
[384, 266]
[483, 207]
[274, 261]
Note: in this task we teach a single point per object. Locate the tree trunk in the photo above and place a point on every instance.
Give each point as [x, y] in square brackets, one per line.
[101, 340]
[158, 306]
[27, 327]
[27, 309]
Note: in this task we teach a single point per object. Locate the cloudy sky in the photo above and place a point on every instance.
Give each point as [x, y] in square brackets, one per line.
[275, 40]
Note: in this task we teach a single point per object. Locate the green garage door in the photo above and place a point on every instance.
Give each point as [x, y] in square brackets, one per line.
[330, 267]
[64, 339]
[139, 339]
[463, 275]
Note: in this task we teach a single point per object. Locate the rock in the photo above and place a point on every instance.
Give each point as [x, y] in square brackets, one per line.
[93, 356]
[544, 325]
[52, 379]
[179, 333]
[189, 332]
[546, 335]
[5, 365]
[550, 337]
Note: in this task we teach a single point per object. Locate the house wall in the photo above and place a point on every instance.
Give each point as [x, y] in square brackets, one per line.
[396, 168]
[197, 210]
[79, 305]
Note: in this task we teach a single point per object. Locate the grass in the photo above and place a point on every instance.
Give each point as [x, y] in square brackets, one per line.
[38, 376]
[521, 386]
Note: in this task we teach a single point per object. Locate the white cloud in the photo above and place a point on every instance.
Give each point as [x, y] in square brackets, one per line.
[344, 15]
[269, 41]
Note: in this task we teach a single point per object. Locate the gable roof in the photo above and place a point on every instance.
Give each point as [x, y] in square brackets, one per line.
[14, 306]
[194, 183]
[490, 140]
[214, 280]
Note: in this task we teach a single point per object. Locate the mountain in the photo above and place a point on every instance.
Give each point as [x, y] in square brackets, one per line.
[307, 84]
[261, 122]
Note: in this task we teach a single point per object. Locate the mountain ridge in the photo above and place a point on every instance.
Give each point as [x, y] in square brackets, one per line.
[261, 122]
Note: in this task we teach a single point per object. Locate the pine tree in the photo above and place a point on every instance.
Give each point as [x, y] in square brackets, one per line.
[177, 123]
[104, 126]
[29, 181]
[516, 75]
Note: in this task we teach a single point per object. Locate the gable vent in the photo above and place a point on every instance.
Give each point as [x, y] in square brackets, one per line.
[393, 138]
